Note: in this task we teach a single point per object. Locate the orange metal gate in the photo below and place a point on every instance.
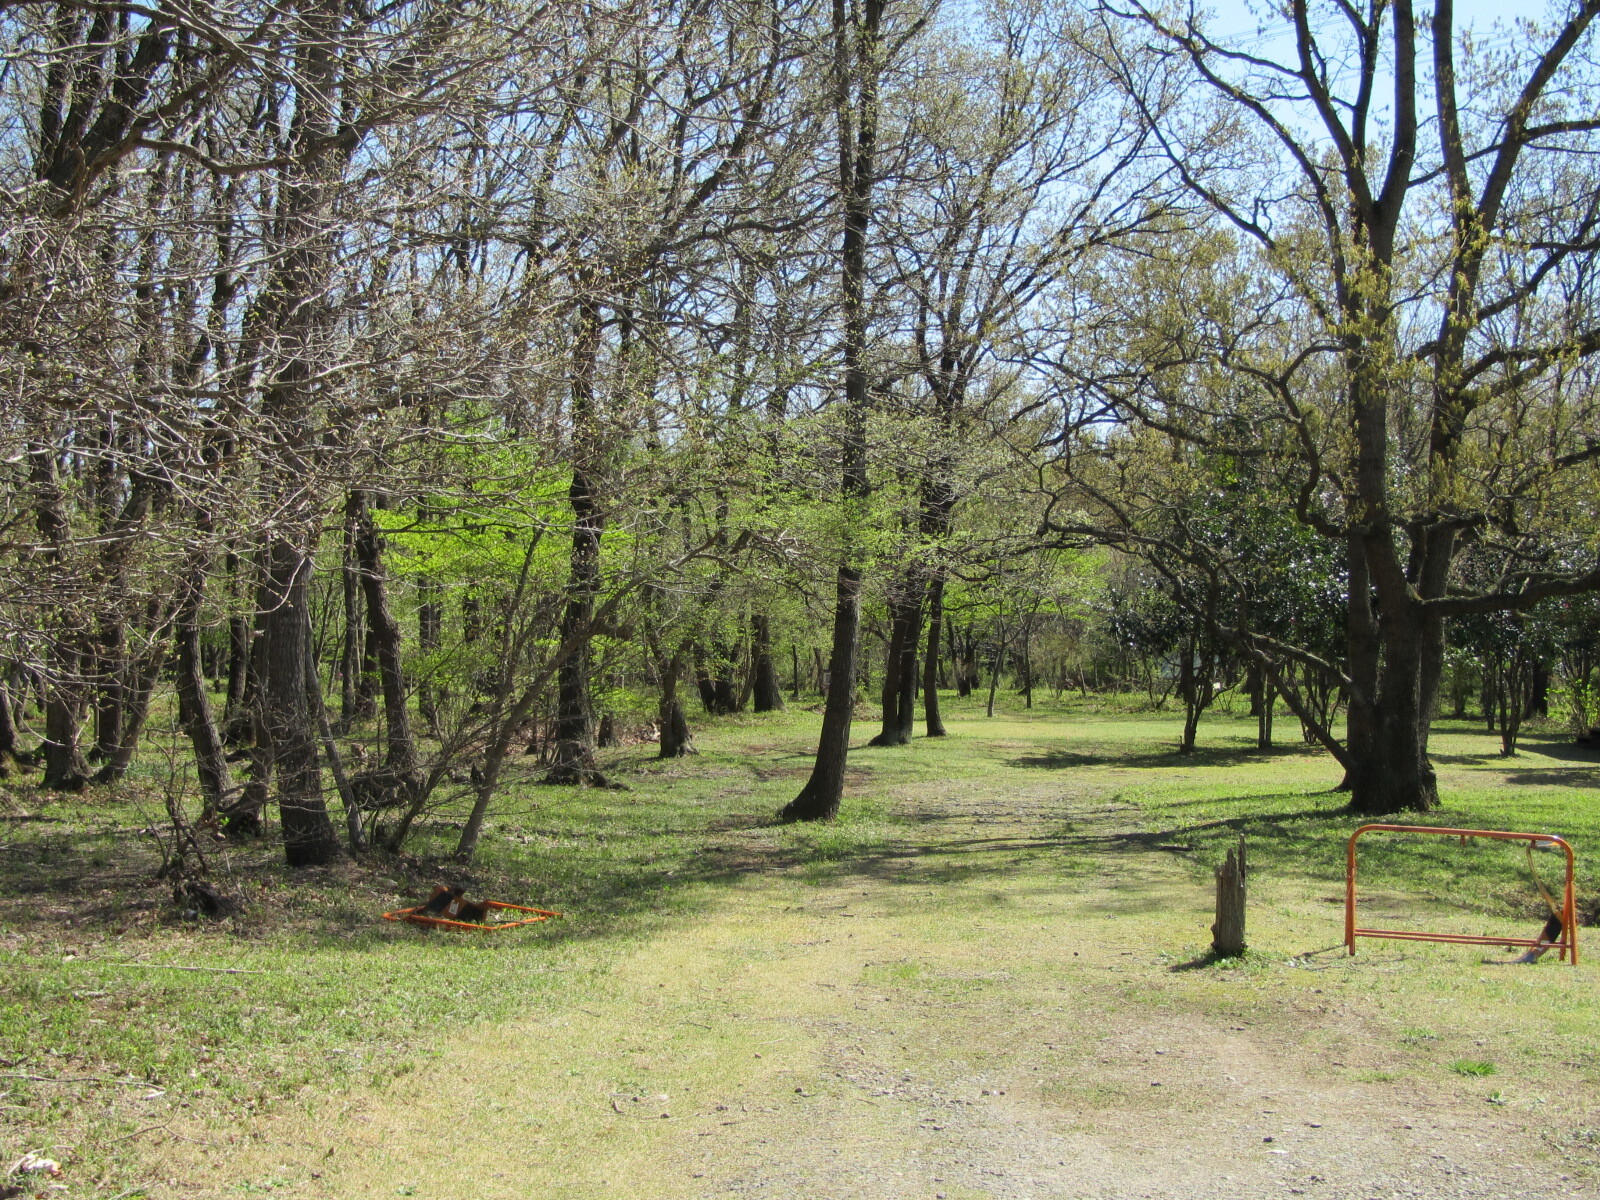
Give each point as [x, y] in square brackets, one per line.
[1569, 913]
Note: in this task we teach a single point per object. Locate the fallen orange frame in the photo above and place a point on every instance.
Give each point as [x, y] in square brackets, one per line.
[1569, 911]
[415, 917]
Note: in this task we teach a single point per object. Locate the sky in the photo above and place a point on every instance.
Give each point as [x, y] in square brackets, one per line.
[1235, 16]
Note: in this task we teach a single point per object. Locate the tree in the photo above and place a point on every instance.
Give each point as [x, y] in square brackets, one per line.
[1429, 301]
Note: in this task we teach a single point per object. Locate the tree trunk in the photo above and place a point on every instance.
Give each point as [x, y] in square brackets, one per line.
[354, 628]
[1227, 940]
[893, 660]
[856, 65]
[675, 739]
[930, 662]
[64, 766]
[1188, 690]
[309, 838]
[766, 693]
[574, 725]
[1538, 690]
[235, 714]
[138, 685]
[994, 674]
[194, 702]
[900, 666]
[8, 730]
[1253, 685]
[430, 635]
[1265, 699]
[1027, 663]
[110, 671]
[819, 799]
[1395, 775]
[401, 758]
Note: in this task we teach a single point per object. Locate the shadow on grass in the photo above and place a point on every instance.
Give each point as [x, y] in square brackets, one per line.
[1560, 777]
[1209, 959]
[1202, 756]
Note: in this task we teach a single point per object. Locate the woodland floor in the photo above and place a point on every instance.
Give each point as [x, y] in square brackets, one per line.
[987, 980]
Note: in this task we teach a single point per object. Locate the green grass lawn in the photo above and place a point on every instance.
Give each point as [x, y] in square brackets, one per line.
[308, 989]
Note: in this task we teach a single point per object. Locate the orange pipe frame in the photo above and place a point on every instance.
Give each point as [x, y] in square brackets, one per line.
[1569, 910]
[412, 915]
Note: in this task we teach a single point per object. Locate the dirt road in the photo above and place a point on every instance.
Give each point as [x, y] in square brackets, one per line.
[989, 1005]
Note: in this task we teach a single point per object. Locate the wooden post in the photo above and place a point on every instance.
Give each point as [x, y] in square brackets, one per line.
[1227, 935]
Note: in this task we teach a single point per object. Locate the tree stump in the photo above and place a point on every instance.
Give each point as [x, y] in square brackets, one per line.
[1227, 935]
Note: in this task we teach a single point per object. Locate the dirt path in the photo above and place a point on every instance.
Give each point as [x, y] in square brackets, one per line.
[994, 1005]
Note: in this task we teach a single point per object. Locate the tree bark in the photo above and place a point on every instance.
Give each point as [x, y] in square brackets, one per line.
[138, 685]
[766, 693]
[194, 702]
[8, 729]
[675, 739]
[856, 65]
[930, 662]
[309, 838]
[900, 666]
[400, 759]
[1228, 932]
[354, 629]
[574, 761]
[819, 799]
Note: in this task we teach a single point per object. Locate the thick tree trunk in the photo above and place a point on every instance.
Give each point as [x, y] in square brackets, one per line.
[1266, 698]
[1361, 664]
[574, 726]
[819, 799]
[900, 666]
[766, 693]
[675, 739]
[64, 766]
[1395, 775]
[856, 62]
[309, 838]
[930, 662]
[110, 672]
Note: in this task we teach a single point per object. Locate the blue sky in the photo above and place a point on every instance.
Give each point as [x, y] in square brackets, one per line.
[1235, 16]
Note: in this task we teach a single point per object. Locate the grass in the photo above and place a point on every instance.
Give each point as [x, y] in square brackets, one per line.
[333, 998]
